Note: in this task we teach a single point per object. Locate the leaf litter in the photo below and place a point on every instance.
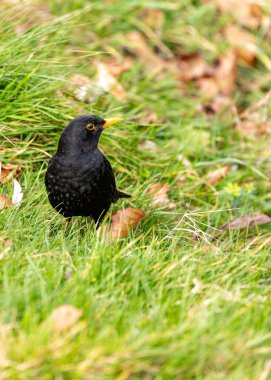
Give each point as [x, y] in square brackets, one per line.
[246, 12]
[88, 90]
[159, 193]
[9, 173]
[64, 317]
[4, 202]
[254, 121]
[246, 221]
[243, 42]
[123, 222]
[217, 175]
[6, 247]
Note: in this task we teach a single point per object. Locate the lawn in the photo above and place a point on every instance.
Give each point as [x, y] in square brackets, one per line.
[186, 295]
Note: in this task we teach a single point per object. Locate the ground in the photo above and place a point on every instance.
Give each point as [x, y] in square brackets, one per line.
[179, 297]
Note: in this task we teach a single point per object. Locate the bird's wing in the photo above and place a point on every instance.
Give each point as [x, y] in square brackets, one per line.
[110, 180]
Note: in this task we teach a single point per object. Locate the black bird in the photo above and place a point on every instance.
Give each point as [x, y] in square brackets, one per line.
[79, 179]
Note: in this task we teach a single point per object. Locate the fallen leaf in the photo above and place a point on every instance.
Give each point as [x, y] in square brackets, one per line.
[253, 122]
[124, 221]
[243, 41]
[108, 82]
[83, 88]
[4, 202]
[30, 15]
[246, 12]
[152, 17]
[213, 80]
[208, 87]
[223, 76]
[138, 44]
[217, 175]
[64, 317]
[17, 193]
[8, 172]
[6, 248]
[192, 67]
[181, 178]
[8, 244]
[184, 160]
[148, 146]
[225, 73]
[253, 129]
[87, 90]
[216, 105]
[159, 193]
[246, 221]
[117, 68]
[184, 175]
[149, 117]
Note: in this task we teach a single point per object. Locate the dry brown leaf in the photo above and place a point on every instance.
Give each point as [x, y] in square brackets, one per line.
[148, 146]
[8, 172]
[254, 122]
[30, 14]
[86, 90]
[246, 12]
[225, 73]
[244, 43]
[106, 80]
[184, 160]
[36, 15]
[261, 103]
[64, 317]
[117, 68]
[223, 77]
[253, 129]
[4, 202]
[149, 117]
[213, 80]
[192, 67]
[152, 17]
[246, 221]
[217, 104]
[124, 221]
[83, 89]
[217, 175]
[208, 87]
[6, 248]
[138, 45]
[159, 193]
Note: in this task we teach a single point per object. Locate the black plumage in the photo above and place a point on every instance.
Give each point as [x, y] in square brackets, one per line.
[79, 179]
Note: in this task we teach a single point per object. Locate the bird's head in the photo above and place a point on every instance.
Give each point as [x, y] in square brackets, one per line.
[83, 133]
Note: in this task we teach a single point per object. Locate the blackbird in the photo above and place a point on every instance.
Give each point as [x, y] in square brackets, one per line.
[79, 179]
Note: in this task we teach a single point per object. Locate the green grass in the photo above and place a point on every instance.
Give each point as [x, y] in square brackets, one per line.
[175, 299]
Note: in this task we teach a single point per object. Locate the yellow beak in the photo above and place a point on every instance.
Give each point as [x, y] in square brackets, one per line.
[111, 121]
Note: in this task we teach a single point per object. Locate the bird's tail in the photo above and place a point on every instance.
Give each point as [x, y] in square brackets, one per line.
[123, 195]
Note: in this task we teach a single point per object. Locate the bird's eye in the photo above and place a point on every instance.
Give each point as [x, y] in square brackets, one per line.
[90, 126]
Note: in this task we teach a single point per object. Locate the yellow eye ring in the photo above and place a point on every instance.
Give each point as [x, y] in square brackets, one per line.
[90, 127]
